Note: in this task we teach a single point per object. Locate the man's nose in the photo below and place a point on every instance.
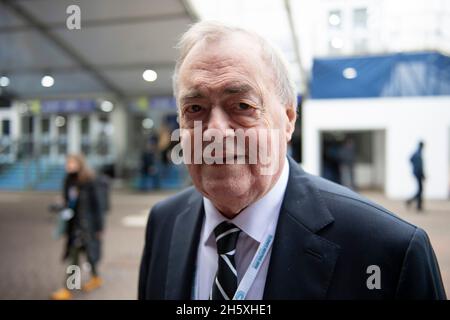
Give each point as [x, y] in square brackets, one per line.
[218, 121]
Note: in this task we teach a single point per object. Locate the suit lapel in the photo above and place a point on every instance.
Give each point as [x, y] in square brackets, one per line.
[302, 263]
[183, 249]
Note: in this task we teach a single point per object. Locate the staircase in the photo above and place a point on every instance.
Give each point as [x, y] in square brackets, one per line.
[31, 175]
[19, 176]
[52, 180]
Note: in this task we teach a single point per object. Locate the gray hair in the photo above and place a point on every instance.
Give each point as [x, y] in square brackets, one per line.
[211, 30]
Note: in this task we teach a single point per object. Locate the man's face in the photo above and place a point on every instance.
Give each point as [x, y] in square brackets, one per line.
[227, 85]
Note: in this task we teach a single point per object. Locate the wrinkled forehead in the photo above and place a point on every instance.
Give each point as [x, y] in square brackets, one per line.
[233, 58]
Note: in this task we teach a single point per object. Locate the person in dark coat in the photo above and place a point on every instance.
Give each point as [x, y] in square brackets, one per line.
[418, 172]
[347, 163]
[149, 171]
[85, 227]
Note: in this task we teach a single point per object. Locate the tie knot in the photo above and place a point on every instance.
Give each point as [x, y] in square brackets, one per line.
[226, 237]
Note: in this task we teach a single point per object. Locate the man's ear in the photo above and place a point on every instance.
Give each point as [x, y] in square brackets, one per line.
[291, 117]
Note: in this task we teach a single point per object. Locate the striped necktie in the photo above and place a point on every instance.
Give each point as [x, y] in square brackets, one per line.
[225, 281]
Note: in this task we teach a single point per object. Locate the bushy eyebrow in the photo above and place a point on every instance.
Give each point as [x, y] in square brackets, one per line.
[237, 88]
[230, 89]
[241, 89]
[191, 94]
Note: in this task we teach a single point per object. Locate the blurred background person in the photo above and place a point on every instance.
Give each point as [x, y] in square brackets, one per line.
[347, 163]
[417, 168]
[84, 229]
[149, 170]
[331, 161]
[164, 143]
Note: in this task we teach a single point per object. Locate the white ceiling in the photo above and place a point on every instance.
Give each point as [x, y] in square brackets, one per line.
[118, 38]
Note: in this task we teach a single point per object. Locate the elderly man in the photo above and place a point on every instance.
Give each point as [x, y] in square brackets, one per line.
[245, 232]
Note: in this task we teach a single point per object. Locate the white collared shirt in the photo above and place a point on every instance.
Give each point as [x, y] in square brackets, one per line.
[254, 221]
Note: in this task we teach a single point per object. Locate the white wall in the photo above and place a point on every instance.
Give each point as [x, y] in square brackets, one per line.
[379, 161]
[405, 121]
[364, 175]
[73, 133]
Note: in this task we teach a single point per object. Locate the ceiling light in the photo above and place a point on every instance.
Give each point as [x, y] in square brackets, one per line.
[60, 121]
[47, 81]
[147, 123]
[106, 106]
[149, 75]
[334, 20]
[4, 81]
[350, 73]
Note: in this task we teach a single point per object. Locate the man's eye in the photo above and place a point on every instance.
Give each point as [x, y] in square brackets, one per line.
[244, 106]
[193, 108]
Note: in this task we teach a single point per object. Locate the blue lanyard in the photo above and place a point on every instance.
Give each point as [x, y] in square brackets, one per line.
[254, 267]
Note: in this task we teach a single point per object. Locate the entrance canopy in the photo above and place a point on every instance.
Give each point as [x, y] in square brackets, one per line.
[394, 75]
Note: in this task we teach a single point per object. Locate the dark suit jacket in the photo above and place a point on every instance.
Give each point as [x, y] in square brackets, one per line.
[326, 238]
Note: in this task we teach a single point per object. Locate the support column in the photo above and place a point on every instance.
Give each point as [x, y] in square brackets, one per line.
[37, 134]
[93, 133]
[120, 137]
[73, 133]
[53, 133]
